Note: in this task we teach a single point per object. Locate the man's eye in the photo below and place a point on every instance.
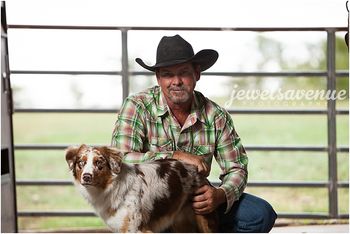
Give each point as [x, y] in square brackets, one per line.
[166, 74]
[185, 73]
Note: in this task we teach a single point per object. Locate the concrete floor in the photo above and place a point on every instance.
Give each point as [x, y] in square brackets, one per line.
[331, 228]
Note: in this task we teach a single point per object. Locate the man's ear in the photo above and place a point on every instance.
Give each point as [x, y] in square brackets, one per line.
[113, 156]
[197, 69]
[198, 77]
[157, 75]
[72, 155]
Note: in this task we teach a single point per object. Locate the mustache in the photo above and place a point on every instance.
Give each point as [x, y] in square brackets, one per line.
[176, 88]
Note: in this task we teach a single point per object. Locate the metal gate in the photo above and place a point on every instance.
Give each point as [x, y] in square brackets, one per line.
[332, 184]
[8, 189]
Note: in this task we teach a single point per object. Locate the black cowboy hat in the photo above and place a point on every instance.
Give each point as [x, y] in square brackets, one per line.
[175, 50]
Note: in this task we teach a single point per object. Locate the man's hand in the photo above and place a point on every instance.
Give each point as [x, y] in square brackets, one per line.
[207, 198]
[195, 160]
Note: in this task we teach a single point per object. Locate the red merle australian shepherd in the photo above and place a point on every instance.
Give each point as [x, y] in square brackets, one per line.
[148, 197]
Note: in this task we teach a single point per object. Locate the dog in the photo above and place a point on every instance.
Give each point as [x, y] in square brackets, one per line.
[149, 197]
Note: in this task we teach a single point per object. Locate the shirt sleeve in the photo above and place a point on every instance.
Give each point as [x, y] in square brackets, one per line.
[232, 159]
[129, 134]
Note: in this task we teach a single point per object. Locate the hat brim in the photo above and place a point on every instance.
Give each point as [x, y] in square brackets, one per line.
[204, 58]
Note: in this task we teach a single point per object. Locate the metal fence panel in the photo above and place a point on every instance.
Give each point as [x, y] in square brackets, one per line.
[332, 184]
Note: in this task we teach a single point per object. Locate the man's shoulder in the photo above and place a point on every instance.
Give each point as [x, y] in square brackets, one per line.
[145, 97]
[211, 111]
[211, 107]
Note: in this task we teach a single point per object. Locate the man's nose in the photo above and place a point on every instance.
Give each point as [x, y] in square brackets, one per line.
[177, 80]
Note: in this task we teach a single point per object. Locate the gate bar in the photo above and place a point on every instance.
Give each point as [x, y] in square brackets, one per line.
[331, 123]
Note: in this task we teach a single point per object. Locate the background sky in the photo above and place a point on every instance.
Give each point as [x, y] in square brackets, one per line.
[88, 50]
[204, 13]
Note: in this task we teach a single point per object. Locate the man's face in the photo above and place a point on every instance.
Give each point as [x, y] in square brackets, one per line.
[178, 82]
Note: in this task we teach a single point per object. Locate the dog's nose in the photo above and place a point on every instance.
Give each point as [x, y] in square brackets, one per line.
[87, 177]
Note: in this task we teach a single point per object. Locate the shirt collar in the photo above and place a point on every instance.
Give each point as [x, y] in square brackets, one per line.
[162, 107]
[197, 108]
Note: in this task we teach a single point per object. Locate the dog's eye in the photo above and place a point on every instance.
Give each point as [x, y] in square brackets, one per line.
[100, 164]
[81, 164]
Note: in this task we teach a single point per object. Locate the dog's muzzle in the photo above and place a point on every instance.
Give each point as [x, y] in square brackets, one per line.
[87, 179]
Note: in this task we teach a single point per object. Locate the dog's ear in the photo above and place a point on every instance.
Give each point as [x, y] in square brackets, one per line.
[113, 156]
[72, 155]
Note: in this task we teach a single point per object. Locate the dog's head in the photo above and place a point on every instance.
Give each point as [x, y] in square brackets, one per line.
[93, 166]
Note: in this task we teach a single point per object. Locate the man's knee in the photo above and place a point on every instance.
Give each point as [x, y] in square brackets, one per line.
[249, 214]
[269, 217]
[259, 217]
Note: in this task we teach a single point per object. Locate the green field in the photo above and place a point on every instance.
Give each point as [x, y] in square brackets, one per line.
[262, 130]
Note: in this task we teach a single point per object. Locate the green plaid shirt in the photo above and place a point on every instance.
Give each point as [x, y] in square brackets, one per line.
[147, 130]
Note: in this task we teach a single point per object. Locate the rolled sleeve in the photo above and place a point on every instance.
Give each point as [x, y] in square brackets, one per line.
[128, 134]
[232, 159]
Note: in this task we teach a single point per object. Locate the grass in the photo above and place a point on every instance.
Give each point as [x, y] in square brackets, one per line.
[254, 130]
[63, 128]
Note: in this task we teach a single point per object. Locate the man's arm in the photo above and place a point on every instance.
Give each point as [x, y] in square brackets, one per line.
[207, 198]
[199, 162]
[232, 159]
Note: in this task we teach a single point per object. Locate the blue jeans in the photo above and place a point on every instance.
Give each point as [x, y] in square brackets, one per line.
[248, 214]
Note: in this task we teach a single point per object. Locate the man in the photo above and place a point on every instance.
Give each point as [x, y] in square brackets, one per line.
[173, 120]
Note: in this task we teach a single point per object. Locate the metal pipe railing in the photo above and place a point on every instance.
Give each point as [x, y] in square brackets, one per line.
[136, 28]
[342, 149]
[332, 127]
[231, 111]
[92, 214]
[324, 184]
[295, 74]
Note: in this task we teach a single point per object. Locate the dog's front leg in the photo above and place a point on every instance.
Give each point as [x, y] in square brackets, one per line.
[207, 223]
[125, 222]
[145, 230]
[135, 224]
[129, 218]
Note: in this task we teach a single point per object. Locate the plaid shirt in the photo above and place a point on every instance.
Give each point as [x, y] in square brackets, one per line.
[147, 130]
